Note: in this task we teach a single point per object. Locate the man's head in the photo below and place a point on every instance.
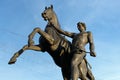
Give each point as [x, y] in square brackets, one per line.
[81, 26]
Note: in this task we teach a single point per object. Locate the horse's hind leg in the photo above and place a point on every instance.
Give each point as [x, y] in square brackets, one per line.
[17, 54]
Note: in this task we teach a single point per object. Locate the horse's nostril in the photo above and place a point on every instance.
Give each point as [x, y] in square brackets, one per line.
[43, 14]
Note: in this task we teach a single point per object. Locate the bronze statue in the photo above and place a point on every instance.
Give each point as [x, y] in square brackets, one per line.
[78, 48]
[55, 44]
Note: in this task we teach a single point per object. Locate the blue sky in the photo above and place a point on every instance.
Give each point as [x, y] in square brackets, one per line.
[19, 17]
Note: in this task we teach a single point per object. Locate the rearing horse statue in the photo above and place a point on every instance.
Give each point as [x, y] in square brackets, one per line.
[55, 44]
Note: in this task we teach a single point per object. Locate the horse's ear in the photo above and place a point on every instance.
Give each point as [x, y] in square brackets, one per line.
[51, 6]
[45, 8]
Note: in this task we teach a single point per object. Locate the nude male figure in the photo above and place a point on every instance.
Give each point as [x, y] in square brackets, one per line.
[79, 40]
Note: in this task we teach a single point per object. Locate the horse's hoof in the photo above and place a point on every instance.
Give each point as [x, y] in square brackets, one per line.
[12, 61]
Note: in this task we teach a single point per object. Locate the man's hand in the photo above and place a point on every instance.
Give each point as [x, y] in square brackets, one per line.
[93, 54]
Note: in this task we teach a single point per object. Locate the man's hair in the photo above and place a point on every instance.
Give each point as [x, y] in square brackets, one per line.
[82, 23]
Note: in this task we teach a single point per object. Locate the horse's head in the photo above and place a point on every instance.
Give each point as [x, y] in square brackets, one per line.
[48, 13]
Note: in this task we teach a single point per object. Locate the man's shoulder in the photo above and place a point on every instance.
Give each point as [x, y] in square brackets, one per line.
[89, 32]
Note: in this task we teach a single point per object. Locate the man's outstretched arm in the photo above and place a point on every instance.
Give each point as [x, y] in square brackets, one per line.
[69, 34]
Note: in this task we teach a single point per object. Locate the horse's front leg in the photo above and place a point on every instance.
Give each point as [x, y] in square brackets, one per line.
[49, 38]
[26, 47]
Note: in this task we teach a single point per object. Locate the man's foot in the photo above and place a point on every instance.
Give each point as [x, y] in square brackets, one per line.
[12, 61]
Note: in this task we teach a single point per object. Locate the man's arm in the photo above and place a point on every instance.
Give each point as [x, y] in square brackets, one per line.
[90, 39]
[69, 34]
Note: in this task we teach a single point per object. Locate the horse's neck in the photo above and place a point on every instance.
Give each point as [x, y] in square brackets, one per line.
[56, 24]
[52, 31]
[55, 21]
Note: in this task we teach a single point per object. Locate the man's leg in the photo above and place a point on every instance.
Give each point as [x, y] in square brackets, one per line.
[76, 60]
